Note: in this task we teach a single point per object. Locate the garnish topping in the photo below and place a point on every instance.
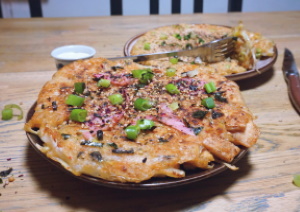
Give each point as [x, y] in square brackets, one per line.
[210, 87]
[208, 102]
[172, 89]
[145, 124]
[144, 75]
[116, 99]
[173, 60]
[104, 83]
[79, 87]
[78, 115]
[75, 100]
[147, 46]
[132, 132]
[296, 180]
[142, 104]
[170, 72]
[7, 112]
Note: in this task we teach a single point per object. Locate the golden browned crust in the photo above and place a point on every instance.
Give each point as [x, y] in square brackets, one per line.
[179, 137]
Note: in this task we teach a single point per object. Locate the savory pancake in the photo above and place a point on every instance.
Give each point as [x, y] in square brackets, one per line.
[122, 121]
[250, 47]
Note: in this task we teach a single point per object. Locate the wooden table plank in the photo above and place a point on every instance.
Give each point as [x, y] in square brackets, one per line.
[264, 180]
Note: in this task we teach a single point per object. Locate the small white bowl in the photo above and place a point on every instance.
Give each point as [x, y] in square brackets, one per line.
[66, 54]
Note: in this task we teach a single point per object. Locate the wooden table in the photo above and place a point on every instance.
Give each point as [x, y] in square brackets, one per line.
[264, 180]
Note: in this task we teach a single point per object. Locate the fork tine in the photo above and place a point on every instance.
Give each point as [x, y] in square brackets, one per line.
[228, 48]
[224, 41]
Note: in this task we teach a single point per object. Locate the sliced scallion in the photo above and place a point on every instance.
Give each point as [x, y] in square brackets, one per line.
[116, 99]
[104, 83]
[174, 105]
[78, 115]
[142, 104]
[163, 37]
[79, 87]
[172, 89]
[210, 87]
[174, 60]
[208, 102]
[170, 72]
[7, 112]
[296, 180]
[132, 132]
[144, 75]
[74, 100]
[147, 46]
[177, 36]
[200, 40]
[145, 124]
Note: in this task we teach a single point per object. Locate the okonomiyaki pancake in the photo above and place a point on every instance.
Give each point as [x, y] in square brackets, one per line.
[250, 47]
[125, 122]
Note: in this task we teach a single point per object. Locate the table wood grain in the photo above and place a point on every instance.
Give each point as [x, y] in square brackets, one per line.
[264, 180]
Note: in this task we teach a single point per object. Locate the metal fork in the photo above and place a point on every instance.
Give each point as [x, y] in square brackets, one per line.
[213, 51]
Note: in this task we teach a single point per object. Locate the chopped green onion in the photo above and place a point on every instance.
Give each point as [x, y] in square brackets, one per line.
[258, 53]
[187, 37]
[210, 87]
[296, 180]
[74, 100]
[174, 106]
[145, 124]
[142, 104]
[137, 73]
[147, 46]
[78, 115]
[208, 102]
[105, 83]
[174, 60]
[177, 36]
[116, 99]
[172, 89]
[132, 132]
[144, 75]
[200, 40]
[79, 87]
[170, 72]
[7, 112]
[188, 46]
[163, 37]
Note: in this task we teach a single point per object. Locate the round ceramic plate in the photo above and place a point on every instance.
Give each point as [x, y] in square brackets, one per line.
[152, 184]
[262, 65]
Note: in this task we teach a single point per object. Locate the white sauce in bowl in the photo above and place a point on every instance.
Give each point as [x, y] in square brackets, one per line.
[73, 55]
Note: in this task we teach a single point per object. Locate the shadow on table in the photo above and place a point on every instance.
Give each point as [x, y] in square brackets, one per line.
[256, 81]
[74, 194]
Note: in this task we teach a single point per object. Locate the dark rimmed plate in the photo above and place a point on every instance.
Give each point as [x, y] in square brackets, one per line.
[262, 65]
[152, 184]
